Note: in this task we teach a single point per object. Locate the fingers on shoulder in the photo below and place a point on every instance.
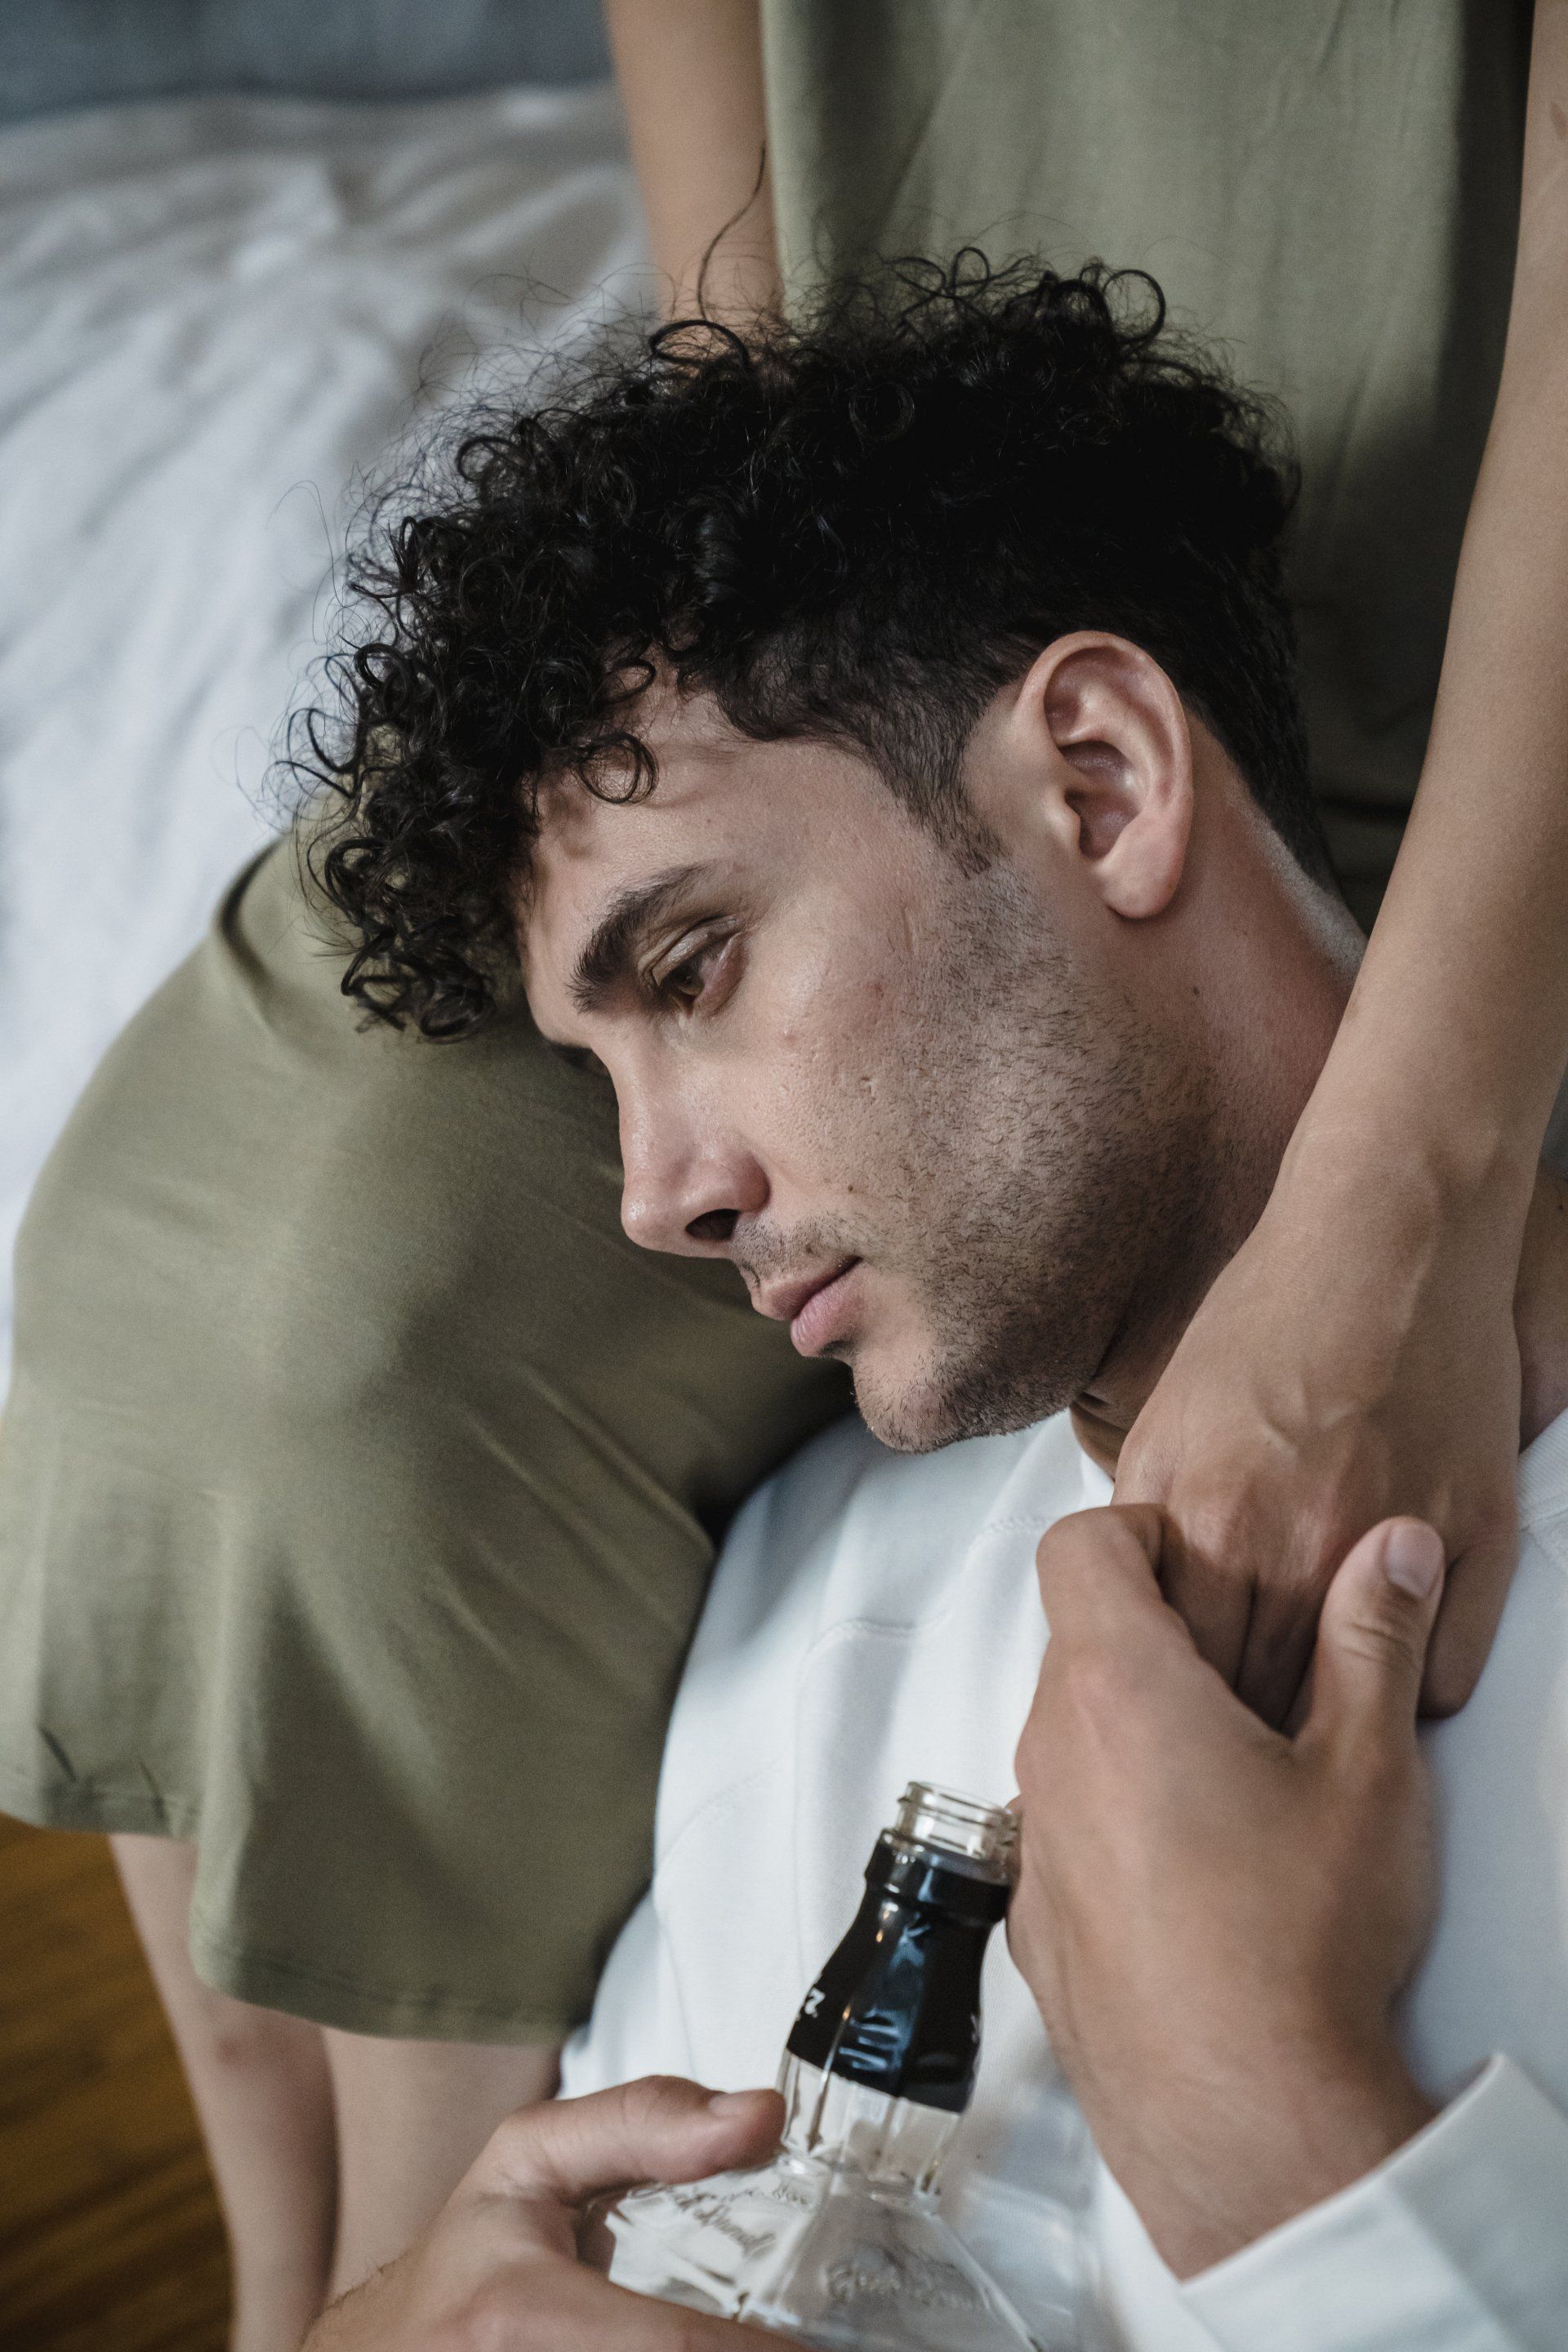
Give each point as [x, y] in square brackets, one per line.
[1093, 1701]
[1115, 1548]
[1219, 1525]
[1477, 1587]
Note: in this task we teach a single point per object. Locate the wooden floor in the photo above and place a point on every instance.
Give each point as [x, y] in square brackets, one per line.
[109, 2236]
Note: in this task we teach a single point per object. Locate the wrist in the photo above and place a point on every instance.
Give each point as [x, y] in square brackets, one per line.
[1381, 1126]
[1385, 1137]
[1354, 1168]
[1257, 2151]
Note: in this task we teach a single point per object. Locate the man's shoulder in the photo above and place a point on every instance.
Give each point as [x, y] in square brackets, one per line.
[843, 1571]
[1496, 1973]
[1543, 1491]
[848, 1528]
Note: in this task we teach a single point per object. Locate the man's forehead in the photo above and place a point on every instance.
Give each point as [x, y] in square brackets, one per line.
[719, 793]
[592, 854]
[591, 839]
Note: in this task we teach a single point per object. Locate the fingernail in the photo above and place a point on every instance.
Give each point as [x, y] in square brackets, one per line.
[730, 2103]
[1413, 1557]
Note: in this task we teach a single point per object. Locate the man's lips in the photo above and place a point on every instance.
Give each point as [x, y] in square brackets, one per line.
[810, 1308]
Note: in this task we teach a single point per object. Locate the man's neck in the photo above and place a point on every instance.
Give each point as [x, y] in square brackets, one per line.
[1266, 965]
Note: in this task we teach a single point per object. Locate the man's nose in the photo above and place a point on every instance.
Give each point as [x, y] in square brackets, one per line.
[686, 1194]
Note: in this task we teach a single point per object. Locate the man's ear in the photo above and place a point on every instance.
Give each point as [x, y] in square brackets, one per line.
[1104, 736]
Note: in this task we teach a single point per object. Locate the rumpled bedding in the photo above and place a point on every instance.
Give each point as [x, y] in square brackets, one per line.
[215, 315]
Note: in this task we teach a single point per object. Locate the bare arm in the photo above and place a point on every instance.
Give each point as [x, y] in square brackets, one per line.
[691, 73]
[1466, 979]
[1360, 1356]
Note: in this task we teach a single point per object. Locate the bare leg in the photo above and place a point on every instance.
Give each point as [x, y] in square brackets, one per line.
[262, 2089]
[310, 2129]
[412, 2116]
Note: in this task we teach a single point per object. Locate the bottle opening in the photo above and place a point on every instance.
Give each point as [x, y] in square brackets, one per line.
[955, 1823]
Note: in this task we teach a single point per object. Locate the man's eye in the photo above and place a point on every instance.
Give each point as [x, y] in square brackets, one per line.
[686, 983]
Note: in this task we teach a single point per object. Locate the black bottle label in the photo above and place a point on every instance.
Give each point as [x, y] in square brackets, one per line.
[898, 2006]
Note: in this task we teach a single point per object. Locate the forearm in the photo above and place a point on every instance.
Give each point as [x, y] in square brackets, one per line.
[1457, 1029]
[691, 73]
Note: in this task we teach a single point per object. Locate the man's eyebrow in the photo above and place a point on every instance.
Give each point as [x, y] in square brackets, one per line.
[607, 957]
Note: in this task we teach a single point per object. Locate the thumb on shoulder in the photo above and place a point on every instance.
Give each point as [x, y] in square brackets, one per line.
[1376, 1622]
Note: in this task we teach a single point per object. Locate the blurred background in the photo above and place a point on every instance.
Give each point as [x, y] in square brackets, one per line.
[242, 243]
[245, 245]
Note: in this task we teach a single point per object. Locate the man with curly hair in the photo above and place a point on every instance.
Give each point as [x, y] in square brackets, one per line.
[882, 738]
[361, 1484]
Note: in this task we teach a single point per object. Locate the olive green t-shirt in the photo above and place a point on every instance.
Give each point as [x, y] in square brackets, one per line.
[1327, 188]
[359, 1487]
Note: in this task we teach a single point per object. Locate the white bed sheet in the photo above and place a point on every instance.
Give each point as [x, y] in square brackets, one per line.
[213, 314]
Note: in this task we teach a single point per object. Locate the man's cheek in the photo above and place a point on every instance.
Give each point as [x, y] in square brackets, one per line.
[815, 1113]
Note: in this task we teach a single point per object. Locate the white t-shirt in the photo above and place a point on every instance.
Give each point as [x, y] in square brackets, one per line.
[874, 1619]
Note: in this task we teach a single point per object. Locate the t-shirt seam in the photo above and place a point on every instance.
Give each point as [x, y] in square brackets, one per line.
[92, 1795]
[664, 1861]
[257, 1955]
[1549, 1533]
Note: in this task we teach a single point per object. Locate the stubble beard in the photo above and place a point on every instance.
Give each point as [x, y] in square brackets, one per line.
[1058, 1177]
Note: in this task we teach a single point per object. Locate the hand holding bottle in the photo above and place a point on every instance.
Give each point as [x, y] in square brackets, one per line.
[839, 2242]
[1215, 1919]
[498, 2266]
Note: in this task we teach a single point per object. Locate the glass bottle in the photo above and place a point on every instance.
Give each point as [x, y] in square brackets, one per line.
[837, 2241]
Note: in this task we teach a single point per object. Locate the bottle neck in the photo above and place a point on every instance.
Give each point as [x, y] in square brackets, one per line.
[831, 2120]
[897, 2007]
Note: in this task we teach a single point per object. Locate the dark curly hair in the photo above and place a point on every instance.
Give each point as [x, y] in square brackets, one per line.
[855, 526]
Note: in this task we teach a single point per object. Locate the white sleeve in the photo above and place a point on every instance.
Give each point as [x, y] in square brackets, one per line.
[1457, 2244]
